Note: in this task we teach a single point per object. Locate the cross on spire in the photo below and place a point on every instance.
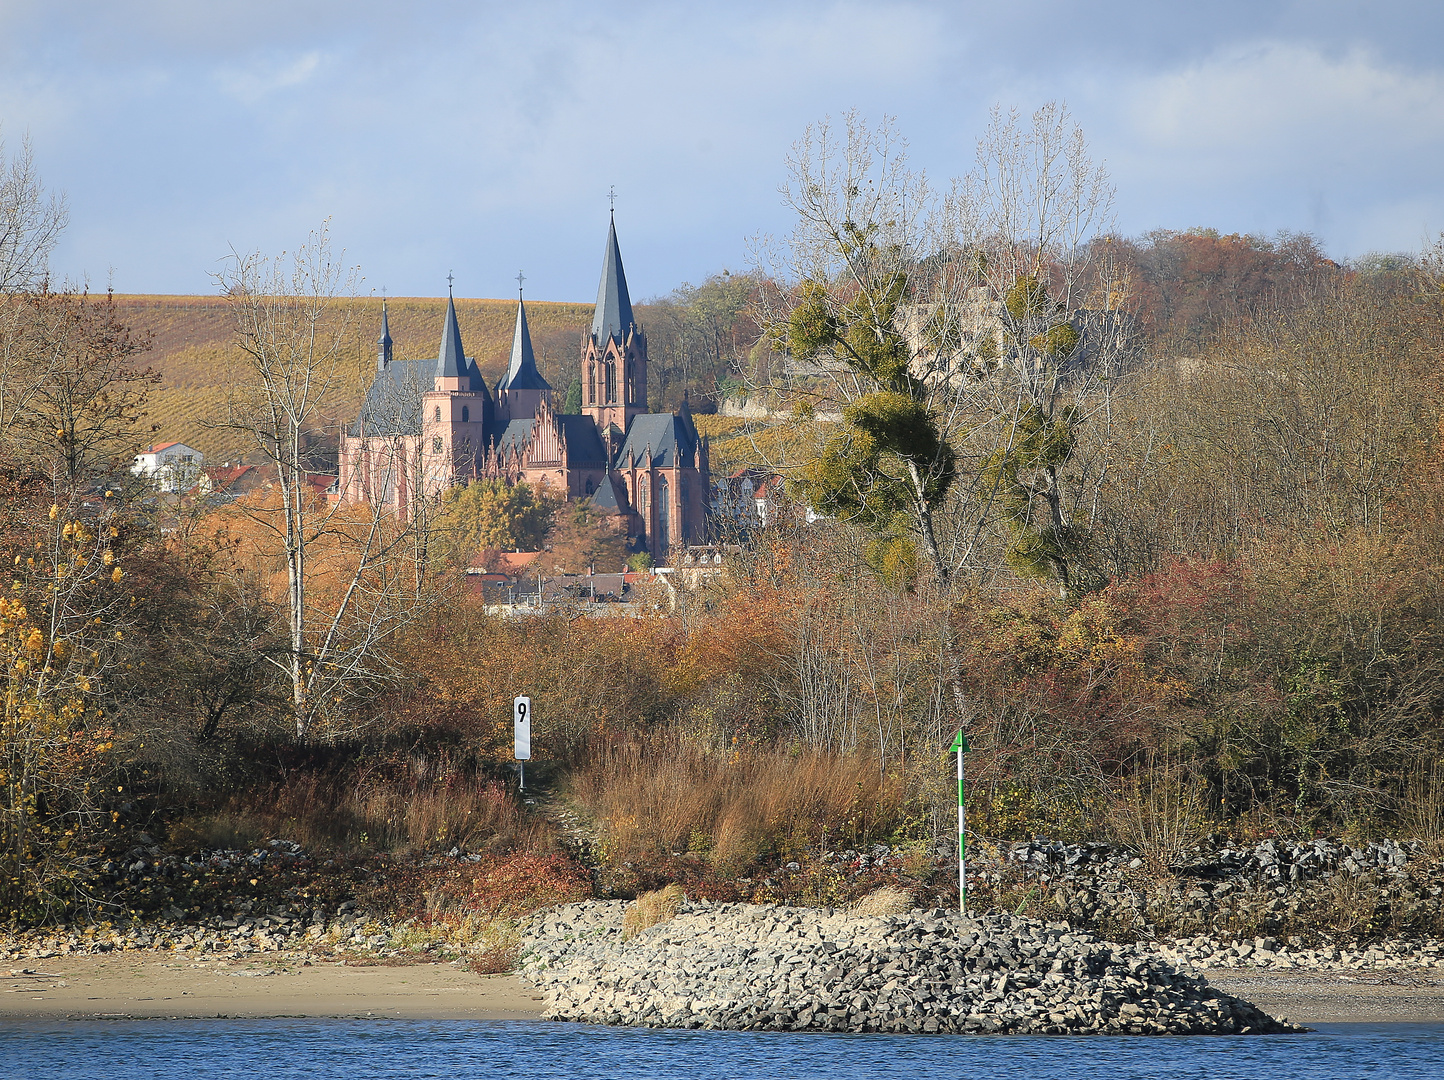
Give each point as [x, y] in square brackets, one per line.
[612, 197]
[520, 278]
[449, 279]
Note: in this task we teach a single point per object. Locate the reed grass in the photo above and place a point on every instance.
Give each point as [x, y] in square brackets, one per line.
[666, 795]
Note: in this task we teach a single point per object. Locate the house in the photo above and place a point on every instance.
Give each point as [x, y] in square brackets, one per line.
[426, 425]
[170, 467]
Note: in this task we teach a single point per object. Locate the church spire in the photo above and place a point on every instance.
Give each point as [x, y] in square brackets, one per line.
[383, 343]
[613, 317]
[522, 374]
[451, 358]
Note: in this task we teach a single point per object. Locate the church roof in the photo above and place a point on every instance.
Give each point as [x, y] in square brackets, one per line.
[613, 317]
[516, 436]
[610, 498]
[451, 361]
[522, 374]
[393, 401]
[665, 435]
[584, 445]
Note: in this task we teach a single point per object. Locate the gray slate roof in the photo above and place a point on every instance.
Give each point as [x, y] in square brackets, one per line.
[451, 359]
[522, 374]
[385, 339]
[393, 401]
[611, 497]
[516, 435]
[613, 317]
[584, 445]
[666, 436]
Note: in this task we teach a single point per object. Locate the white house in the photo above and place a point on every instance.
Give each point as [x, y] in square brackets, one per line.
[170, 466]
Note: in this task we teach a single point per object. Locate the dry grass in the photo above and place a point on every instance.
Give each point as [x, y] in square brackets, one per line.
[888, 900]
[374, 816]
[1161, 813]
[651, 909]
[666, 796]
[1422, 813]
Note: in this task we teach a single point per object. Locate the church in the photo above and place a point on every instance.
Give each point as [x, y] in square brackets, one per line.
[427, 425]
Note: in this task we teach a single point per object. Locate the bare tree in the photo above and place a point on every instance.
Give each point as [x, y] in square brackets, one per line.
[348, 588]
[963, 337]
[30, 221]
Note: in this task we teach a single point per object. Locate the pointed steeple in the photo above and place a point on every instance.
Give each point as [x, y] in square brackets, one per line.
[451, 358]
[523, 373]
[614, 306]
[383, 343]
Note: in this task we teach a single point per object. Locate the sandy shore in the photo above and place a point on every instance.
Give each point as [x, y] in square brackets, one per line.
[141, 985]
[151, 985]
[1328, 997]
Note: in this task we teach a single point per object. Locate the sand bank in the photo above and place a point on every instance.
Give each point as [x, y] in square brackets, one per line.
[161, 984]
[149, 985]
[1377, 996]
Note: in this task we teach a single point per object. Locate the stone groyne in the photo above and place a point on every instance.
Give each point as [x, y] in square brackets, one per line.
[770, 967]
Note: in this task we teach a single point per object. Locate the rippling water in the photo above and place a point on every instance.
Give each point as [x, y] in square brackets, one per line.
[359, 1049]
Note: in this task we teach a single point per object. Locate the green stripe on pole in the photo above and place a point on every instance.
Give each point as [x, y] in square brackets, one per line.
[960, 747]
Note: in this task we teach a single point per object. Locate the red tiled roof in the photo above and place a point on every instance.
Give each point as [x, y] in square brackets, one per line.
[517, 560]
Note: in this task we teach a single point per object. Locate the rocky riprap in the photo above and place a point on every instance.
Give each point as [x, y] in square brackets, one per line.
[1315, 892]
[769, 967]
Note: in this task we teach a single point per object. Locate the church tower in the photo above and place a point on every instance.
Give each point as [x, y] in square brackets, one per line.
[456, 413]
[614, 354]
[521, 390]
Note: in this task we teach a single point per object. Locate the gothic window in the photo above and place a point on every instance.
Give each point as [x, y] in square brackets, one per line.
[436, 443]
[465, 414]
[631, 380]
[591, 488]
[591, 384]
[611, 381]
[438, 416]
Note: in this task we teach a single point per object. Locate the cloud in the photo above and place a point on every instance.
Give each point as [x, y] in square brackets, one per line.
[1278, 104]
[264, 76]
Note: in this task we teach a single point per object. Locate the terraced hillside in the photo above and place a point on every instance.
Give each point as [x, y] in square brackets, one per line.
[198, 363]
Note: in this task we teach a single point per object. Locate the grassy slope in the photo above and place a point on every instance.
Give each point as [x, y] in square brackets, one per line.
[194, 354]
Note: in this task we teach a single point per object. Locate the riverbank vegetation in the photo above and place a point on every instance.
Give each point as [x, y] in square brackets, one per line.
[1195, 592]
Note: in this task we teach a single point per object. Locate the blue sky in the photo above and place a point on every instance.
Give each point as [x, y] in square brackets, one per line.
[481, 138]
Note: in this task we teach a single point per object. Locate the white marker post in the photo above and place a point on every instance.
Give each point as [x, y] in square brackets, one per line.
[521, 729]
[960, 747]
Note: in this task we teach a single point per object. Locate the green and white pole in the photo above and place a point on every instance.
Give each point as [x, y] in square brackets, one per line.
[960, 747]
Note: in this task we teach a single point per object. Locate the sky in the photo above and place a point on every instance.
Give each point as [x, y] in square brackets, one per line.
[481, 138]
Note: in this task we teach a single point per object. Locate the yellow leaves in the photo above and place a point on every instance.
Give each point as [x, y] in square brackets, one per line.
[54, 511]
[113, 530]
[60, 648]
[115, 576]
[35, 642]
[108, 558]
[22, 666]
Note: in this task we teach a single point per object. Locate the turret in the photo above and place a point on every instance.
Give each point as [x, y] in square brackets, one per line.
[383, 343]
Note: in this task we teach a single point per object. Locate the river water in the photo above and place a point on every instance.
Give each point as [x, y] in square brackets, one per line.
[418, 1049]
